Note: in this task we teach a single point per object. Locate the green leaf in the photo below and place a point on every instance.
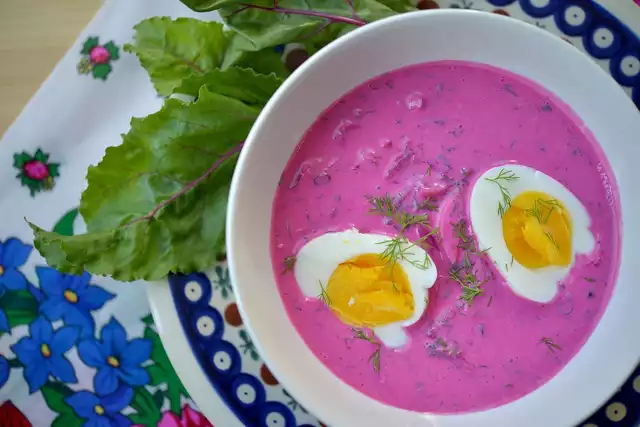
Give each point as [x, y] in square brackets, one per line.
[239, 83]
[101, 71]
[54, 394]
[264, 28]
[160, 155]
[20, 307]
[172, 50]
[241, 53]
[89, 44]
[399, 6]
[114, 51]
[207, 5]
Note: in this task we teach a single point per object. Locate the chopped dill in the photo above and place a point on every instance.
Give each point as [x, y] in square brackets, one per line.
[550, 344]
[467, 261]
[375, 356]
[486, 251]
[506, 267]
[428, 204]
[471, 287]
[512, 259]
[429, 169]
[324, 296]
[288, 264]
[375, 359]
[460, 229]
[464, 275]
[590, 279]
[503, 177]
[490, 299]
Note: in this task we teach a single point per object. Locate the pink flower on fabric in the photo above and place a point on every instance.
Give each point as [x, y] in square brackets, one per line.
[190, 418]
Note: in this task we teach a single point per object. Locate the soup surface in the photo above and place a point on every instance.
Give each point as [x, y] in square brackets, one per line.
[421, 155]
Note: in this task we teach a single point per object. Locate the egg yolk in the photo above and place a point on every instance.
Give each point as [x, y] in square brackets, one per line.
[365, 292]
[537, 230]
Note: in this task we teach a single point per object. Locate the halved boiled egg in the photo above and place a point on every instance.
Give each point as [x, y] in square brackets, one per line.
[532, 226]
[359, 285]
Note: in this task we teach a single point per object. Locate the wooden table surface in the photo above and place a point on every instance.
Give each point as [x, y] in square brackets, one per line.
[34, 35]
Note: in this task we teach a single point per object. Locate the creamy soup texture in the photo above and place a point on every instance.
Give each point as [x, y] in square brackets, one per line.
[424, 136]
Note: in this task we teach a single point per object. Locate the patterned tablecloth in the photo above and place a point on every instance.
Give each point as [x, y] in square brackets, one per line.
[83, 350]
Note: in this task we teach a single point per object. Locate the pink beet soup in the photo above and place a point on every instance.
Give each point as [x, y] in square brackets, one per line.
[443, 124]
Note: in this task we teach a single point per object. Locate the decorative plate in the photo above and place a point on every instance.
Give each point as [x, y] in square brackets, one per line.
[224, 372]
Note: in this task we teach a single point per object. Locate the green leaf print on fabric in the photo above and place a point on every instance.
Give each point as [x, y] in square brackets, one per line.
[162, 372]
[20, 307]
[147, 411]
[64, 226]
[54, 394]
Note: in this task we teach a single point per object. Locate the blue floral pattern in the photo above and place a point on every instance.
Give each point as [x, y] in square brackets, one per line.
[71, 298]
[43, 353]
[55, 319]
[117, 360]
[13, 254]
[102, 411]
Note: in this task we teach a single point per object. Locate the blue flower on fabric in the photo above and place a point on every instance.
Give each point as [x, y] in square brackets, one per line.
[42, 353]
[4, 321]
[102, 411]
[71, 298]
[13, 254]
[116, 359]
[4, 370]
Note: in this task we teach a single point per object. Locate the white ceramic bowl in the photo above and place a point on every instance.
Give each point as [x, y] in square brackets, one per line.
[610, 353]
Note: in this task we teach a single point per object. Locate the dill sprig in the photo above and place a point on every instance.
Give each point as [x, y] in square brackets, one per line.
[504, 176]
[552, 239]
[464, 275]
[383, 206]
[375, 356]
[550, 344]
[428, 204]
[590, 279]
[398, 248]
[471, 286]
[288, 264]
[542, 209]
[324, 296]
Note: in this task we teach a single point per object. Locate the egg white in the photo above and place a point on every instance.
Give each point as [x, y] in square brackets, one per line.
[317, 260]
[539, 285]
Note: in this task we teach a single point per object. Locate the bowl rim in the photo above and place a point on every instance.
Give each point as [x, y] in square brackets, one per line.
[278, 366]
